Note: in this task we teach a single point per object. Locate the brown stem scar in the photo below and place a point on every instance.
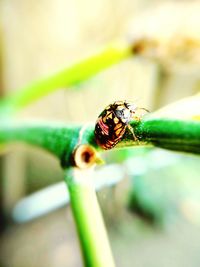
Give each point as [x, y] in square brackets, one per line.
[84, 156]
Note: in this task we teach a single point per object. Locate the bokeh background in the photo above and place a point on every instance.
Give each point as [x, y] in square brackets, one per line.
[153, 214]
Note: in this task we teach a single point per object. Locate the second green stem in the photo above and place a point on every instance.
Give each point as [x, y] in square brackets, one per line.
[88, 218]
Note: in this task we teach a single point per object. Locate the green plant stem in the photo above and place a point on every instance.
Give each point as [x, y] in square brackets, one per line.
[72, 75]
[88, 218]
[61, 140]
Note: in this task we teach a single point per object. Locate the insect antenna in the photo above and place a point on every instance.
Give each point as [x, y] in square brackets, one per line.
[139, 108]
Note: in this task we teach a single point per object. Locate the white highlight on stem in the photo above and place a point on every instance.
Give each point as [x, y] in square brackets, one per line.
[56, 196]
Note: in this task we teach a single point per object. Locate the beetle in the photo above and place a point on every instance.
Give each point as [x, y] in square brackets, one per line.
[113, 122]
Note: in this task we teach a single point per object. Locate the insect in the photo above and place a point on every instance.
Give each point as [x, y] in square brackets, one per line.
[113, 122]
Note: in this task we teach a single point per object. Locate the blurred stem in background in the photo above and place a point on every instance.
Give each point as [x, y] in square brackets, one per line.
[88, 218]
[79, 72]
[55, 196]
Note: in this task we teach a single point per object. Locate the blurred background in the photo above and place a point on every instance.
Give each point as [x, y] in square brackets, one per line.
[153, 213]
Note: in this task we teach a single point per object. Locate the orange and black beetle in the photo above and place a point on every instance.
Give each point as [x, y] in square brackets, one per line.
[112, 123]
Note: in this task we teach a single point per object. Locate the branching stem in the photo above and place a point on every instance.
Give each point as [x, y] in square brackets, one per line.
[61, 140]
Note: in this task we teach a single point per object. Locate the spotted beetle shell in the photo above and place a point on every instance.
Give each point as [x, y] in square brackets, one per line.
[112, 123]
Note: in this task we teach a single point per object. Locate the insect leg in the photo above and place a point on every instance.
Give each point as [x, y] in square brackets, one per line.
[132, 132]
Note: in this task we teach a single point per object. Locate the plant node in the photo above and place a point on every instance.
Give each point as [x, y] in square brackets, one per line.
[84, 156]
